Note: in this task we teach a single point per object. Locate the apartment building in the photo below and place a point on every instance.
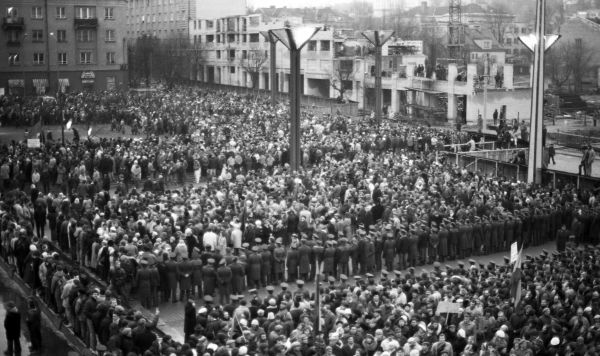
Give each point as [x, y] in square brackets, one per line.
[51, 45]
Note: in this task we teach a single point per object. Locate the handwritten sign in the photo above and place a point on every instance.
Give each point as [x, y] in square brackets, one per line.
[514, 252]
[33, 143]
[448, 307]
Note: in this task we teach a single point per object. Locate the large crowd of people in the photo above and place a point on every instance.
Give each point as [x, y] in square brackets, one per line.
[368, 201]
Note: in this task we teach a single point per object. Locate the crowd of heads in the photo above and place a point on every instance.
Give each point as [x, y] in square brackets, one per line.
[209, 179]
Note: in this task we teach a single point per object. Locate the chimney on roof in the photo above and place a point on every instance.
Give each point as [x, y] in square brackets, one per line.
[423, 6]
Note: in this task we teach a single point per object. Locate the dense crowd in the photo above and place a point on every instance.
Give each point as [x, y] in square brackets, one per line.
[367, 200]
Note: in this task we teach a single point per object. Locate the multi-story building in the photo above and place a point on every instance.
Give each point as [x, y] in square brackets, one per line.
[167, 19]
[232, 51]
[50, 45]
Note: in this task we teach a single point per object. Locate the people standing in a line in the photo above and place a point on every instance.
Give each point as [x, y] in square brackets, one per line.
[12, 326]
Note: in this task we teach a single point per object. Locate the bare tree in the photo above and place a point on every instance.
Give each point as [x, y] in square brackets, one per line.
[567, 64]
[253, 64]
[341, 77]
[499, 21]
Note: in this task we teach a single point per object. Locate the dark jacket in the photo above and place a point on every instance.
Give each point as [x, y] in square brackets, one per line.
[12, 324]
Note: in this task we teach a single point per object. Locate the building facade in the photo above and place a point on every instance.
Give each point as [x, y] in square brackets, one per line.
[166, 19]
[52, 45]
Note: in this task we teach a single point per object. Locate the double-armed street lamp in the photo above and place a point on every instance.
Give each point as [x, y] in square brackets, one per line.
[295, 39]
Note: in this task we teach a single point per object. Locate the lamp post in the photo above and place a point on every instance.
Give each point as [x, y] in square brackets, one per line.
[272, 39]
[537, 42]
[295, 39]
[378, 39]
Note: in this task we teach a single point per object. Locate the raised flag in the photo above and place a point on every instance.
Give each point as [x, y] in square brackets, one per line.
[90, 131]
[515, 280]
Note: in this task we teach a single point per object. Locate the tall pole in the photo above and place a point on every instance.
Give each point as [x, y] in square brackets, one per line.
[378, 90]
[317, 304]
[295, 155]
[273, 70]
[534, 174]
[294, 39]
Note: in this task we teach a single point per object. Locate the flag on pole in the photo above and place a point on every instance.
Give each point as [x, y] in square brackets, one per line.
[515, 281]
[69, 124]
[90, 131]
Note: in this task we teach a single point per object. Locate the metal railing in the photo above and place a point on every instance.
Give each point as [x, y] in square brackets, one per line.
[496, 168]
[573, 140]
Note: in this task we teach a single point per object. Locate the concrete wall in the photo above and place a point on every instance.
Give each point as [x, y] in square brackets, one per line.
[518, 104]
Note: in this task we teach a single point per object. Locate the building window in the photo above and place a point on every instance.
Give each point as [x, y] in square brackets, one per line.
[509, 41]
[85, 35]
[61, 35]
[325, 46]
[210, 38]
[37, 13]
[110, 58]
[85, 12]
[244, 54]
[232, 70]
[232, 54]
[110, 35]
[37, 35]
[254, 37]
[312, 45]
[62, 58]
[14, 59]
[61, 12]
[209, 24]
[85, 57]
[109, 13]
[12, 12]
[38, 58]
[578, 43]
[218, 54]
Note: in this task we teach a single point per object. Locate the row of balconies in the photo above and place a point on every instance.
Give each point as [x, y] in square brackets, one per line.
[18, 23]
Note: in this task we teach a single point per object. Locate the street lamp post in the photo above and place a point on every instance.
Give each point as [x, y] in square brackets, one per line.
[295, 39]
[537, 42]
[378, 39]
[272, 64]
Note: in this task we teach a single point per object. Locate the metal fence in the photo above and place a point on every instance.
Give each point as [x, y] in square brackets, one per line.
[573, 140]
[308, 102]
[496, 168]
[488, 167]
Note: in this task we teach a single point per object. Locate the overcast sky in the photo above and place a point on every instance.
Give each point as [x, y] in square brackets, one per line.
[294, 3]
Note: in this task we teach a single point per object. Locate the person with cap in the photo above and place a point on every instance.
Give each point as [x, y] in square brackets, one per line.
[143, 284]
[172, 274]
[328, 259]
[292, 263]
[185, 270]
[279, 256]
[316, 259]
[196, 263]
[562, 236]
[254, 268]
[224, 277]
[209, 277]
[266, 269]
[238, 276]
[304, 260]
[389, 249]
